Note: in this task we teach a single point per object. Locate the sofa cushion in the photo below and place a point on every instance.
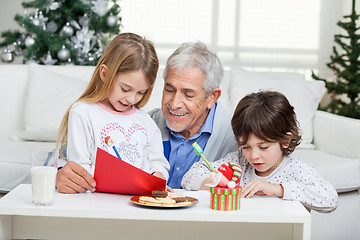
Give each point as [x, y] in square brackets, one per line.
[343, 173]
[49, 94]
[303, 95]
[15, 162]
[13, 85]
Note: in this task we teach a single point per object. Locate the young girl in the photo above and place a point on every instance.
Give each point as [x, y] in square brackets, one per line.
[122, 82]
[265, 128]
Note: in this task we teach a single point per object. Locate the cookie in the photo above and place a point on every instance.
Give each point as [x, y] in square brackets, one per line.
[187, 203]
[179, 197]
[158, 193]
[150, 201]
[166, 201]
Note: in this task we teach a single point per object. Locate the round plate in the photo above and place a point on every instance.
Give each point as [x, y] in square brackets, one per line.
[192, 200]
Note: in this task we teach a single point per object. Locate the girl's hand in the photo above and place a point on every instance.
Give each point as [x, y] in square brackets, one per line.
[169, 189]
[259, 187]
[158, 174]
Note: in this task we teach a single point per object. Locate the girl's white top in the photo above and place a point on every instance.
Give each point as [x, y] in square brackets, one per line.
[136, 137]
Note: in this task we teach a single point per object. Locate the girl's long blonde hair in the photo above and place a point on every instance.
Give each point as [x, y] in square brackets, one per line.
[126, 52]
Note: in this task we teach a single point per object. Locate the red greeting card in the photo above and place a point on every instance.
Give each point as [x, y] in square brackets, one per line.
[116, 176]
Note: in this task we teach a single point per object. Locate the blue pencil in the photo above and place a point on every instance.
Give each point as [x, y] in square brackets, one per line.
[109, 141]
[116, 151]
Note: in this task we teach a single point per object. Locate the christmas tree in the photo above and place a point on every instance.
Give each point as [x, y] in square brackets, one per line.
[58, 32]
[345, 90]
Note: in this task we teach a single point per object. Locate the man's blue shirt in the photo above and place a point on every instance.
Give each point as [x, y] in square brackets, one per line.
[180, 152]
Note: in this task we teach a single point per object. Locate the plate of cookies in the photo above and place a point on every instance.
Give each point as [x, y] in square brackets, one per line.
[165, 200]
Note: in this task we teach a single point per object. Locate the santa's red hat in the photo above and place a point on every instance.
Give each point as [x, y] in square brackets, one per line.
[232, 172]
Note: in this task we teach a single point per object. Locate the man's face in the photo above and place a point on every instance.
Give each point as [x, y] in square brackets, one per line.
[184, 105]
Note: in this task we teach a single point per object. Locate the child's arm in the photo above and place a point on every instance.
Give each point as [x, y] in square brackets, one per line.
[79, 141]
[199, 174]
[157, 162]
[312, 190]
[259, 187]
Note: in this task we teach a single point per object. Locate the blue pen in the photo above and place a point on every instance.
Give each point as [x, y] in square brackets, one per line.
[109, 141]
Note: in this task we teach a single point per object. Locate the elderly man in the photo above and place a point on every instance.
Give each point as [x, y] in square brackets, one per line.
[189, 113]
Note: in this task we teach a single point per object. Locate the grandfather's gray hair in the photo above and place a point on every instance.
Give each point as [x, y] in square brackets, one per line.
[197, 55]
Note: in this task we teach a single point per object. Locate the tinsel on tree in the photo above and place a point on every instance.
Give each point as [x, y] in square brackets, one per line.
[345, 89]
[62, 32]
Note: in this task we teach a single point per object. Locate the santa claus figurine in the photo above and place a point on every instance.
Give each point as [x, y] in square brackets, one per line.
[228, 175]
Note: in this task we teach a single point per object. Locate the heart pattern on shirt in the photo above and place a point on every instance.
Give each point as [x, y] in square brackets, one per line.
[130, 142]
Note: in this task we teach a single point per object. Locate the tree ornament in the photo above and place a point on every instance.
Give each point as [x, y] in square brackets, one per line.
[43, 27]
[18, 51]
[68, 30]
[84, 20]
[84, 40]
[75, 24]
[35, 20]
[69, 62]
[30, 61]
[118, 9]
[42, 20]
[52, 27]
[54, 5]
[7, 56]
[100, 7]
[64, 54]
[111, 20]
[29, 41]
[48, 60]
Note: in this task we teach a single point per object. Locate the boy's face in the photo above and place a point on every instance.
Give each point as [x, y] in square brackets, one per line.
[264, 156]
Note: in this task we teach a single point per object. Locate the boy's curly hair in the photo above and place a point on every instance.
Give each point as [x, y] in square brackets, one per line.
[269, 116]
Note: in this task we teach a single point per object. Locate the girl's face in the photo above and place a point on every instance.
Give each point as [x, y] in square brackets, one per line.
[264, 156]
[128, 89]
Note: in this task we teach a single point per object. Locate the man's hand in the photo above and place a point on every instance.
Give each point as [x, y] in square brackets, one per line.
[259, 187]
[73, 178]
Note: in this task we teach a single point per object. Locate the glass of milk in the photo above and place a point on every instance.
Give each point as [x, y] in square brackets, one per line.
[43, 175]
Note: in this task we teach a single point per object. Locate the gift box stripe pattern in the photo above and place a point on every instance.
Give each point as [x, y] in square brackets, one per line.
[225, 199]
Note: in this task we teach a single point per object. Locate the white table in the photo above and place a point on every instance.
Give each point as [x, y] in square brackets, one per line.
[113, 216]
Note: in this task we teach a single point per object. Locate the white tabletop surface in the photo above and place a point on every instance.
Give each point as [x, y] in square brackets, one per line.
[118, 206]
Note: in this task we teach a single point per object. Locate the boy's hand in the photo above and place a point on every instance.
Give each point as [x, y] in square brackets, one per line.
[259, 187]
[208, 180]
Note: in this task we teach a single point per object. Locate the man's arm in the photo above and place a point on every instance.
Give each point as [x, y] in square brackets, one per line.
[73, 178]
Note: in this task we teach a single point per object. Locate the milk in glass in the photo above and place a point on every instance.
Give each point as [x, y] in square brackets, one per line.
[43, 180]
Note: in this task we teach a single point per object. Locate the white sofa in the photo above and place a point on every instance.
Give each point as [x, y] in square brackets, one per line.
[33, 99]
